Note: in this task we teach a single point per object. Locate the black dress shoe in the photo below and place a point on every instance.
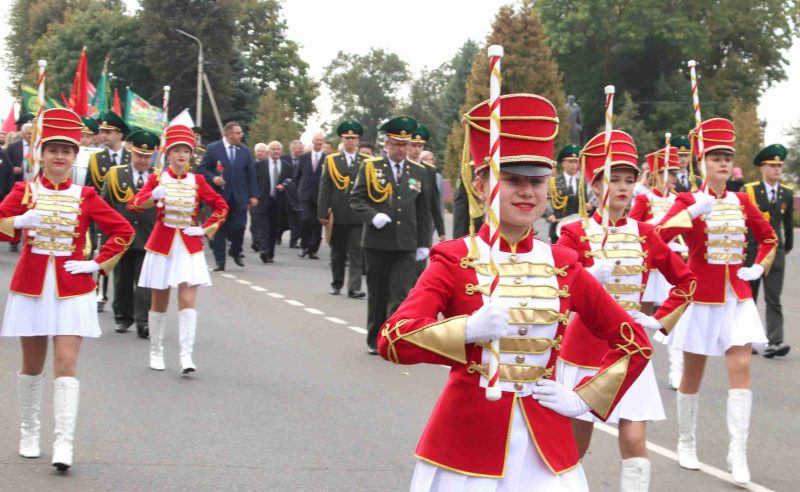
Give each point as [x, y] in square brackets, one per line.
[356, 294]
[13, 247]
[264, 257]
[313, 256]
[254, 247]
[219, 268]
[278, 242]
[121, 327]
[101, 305]
[237, 259]
[372, 350]
[776, 350]
[142, 331]
[335, 291]
[302, 253]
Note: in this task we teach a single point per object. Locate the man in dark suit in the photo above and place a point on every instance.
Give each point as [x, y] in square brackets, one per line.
[291, 209]
[390, 198]
[228, 166]
[684, 160]
[272, 176]
[776, 202]
[563, 198]
[306, 177]
[132, 303]
[336, 184]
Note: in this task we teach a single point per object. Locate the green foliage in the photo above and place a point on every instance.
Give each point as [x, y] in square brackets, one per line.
[366, 88]
[272, 60]
[627, 119]
[749, 138]
[275, 121]
[642, 47]
[791, 167]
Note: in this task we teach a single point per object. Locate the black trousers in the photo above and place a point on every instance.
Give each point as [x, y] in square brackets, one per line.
[232, 230]
[346, 243]
[311, 233]
[266, 227]
[773, 288]
[390, 275]
[131, 302]
[295, 226]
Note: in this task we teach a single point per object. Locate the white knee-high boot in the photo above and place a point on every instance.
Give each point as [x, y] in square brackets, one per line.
[687, 425]
[675, 367]
[66, 392]
[187, 327]
[29, 393]
[158, 324]
[740, 404]
[635, 475]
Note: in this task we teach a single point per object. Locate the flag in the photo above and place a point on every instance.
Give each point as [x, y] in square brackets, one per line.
[30, 100]
[102, 90]
[116, 106]
[142, 115]
[10, 123]
[80, 84]
[183, 118]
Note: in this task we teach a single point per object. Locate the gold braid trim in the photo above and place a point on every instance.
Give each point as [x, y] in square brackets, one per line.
[97, 178]
[371, 179]
[670, 320]
[557, 201]
[7, 226]
[473, 200]
[339, 181]
[110, 263]
[115, 189]
[770, 257]
[445, 338]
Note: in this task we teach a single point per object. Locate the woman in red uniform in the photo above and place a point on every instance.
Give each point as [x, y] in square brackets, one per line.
[52, 291]
[523, 441]
[175, 248]
[722, 319]
[621, 259]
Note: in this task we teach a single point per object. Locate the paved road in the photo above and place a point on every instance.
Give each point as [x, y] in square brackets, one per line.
[286, 398]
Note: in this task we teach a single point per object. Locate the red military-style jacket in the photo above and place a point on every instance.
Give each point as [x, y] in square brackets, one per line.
[633, 248]
[179, 210]
[651, 205]
[67, 210]
[540, 284]
[717, 242]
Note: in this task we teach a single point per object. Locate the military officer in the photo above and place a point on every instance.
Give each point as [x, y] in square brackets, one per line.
[563, 190]
[415, 147]
[131, 302]
[81, 168]
[776, 203]
[390, 198]
[334, 209]
[685, 160]
[112, 131]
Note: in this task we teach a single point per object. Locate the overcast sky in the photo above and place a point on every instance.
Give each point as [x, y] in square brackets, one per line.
[426, 37]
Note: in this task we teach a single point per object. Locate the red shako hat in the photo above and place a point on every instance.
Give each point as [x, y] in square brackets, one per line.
[61, 125]
[529, 124]
[656, 160]
[623, 154]
[179, 134]
[718, 134]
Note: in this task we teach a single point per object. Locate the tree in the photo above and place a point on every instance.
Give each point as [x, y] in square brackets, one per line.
[272, 60]
[104, 31]
[642, 47]
[791, 168]
[365, 87]
[749, 137]
[275, 121]
[425, 101]
[528, 66]
[626, 119]
[171, 56]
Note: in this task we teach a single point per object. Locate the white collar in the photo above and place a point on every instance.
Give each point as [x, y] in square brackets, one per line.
[228, 145]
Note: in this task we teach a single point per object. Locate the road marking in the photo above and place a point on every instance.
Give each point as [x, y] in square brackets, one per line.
[243, 281]
[357, 329]
[313, 311]
[707, 469]
[336, 320]
[276, 295]
[258, 289]
[294, 303]
[227, 275]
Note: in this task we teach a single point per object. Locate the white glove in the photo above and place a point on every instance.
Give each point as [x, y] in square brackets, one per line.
[704, 205]
[29, 220]
[422, 253]
[159, 192]
[750, 273]
[558, 398]
[601, 271]
[646, 321]
[487, 323]
[77, 267]
[194, 231]
[380, 220]
[678, 247]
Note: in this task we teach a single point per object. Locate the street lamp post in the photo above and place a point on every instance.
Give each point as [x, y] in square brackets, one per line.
[199, 113]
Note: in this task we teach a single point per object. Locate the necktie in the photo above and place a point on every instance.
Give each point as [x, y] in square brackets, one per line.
[397, 174]
[772, 195]
[294, 162]
[140, 181]
[571, 185]
[273, 176]
[113, 159]
[231, 153]
[315, 160]
[349, 161]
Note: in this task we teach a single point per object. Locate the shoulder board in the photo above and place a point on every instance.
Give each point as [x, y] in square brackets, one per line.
[785, 187]
[375, 159]
[335, 154]
[415, 163]
[428, 164]
[119, 167]
[752, 183]
[365, 156]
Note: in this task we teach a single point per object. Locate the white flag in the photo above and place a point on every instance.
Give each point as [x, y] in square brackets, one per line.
[183, 118]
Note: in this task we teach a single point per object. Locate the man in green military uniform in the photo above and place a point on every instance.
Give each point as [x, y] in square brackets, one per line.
[113, 131]
[563, 192]
[337, 215]
[131, 302]
[684, 160]
[415, 147]
[390, 198]
[776, 202]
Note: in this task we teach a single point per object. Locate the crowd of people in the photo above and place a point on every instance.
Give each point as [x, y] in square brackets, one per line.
[648, 253]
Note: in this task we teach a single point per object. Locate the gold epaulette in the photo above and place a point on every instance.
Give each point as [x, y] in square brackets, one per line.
[119, 194]
[416, 163]
[377, 193]
[786, 187]
[365, 156]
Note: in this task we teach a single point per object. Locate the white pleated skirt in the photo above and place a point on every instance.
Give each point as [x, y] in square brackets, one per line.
[525, 471]
[711, 329]
[163, 272]
[642, 401]
[28, 316]
[657, 288]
